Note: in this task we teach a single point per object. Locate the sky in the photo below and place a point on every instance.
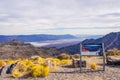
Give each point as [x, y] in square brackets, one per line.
[19, 17]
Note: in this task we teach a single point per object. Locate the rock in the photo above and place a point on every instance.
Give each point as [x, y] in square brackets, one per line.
[4, 70]
[11, 67]
[7, 69]
[76, 63]
[113, 60]
[49, 63]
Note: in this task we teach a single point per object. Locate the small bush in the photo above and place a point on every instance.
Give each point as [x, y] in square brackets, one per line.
[40, 70]
[2, 63]
[64, 56]
[38, 60]
[76, 56]
[94, 66]
[65, 62]
[113, 52]
[16, 73]
[36, 70]
[56, 61]
[45, 70]
[10, 62]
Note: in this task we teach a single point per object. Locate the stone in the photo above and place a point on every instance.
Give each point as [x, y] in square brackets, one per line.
[113, 60]
[76, 63]
[4, 70]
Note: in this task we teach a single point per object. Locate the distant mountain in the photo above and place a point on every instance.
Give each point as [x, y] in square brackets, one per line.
[111, 40]
[16, 49]
[83, 37]
[34, 38]
[64, 42]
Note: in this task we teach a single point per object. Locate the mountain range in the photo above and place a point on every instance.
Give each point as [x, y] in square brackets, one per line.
[34, 38]
[48, 41]
[111, 40]
[88, 36]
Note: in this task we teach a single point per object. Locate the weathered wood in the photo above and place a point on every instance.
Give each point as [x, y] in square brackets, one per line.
[76, 63]
[113, 60]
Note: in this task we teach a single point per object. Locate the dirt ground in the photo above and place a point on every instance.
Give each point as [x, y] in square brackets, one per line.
[112, 72]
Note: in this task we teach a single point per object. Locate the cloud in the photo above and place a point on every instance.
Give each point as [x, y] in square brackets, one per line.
[111, 15]
[56, 16]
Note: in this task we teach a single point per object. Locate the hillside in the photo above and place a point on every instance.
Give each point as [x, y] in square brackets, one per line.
[111, 40]
[16, 49]
[34, 38]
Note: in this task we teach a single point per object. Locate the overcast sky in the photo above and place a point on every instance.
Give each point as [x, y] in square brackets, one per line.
[59, 16]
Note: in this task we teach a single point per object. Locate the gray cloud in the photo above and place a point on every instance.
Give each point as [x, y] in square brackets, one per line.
[110, 15]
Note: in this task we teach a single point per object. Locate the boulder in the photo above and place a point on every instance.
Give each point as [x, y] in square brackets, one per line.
[113, 60]
[76, 63]
[5, 70]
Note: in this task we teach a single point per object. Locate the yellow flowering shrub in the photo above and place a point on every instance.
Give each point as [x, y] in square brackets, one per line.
[94, 66]
[36, 66]
[2, 63]
[64, 56]
[45, 70]
[65, 62]
[26, 63]
[56, 61]
[20, 69]
[10, 61]
[38, 60]
[36, 70]
[16, 73]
